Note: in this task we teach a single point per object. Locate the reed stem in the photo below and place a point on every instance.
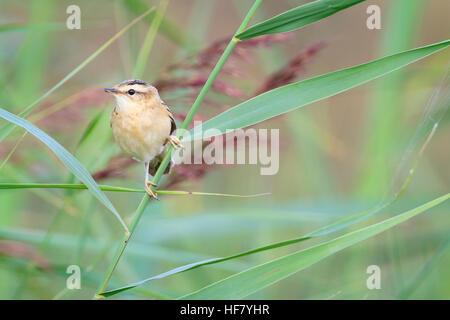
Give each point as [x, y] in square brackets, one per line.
[159, 173]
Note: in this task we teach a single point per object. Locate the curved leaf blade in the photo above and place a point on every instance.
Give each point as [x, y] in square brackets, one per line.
[66, 158]
[254, 279]
[299, 94]
[338, 225]
[297, 18]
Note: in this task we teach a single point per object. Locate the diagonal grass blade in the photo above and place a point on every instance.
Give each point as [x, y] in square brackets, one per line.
[69, 161]
[296, 95]
[254, 279]
[6, 130]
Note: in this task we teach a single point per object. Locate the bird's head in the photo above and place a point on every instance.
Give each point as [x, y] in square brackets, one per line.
[134, 92]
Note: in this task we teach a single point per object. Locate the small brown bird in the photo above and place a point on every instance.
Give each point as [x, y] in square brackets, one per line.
[143, 125]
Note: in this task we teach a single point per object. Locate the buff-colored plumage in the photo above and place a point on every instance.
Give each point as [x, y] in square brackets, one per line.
[142, 123]
[141, 130]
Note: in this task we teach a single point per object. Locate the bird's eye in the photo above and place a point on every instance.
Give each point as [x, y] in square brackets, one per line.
[131, 92]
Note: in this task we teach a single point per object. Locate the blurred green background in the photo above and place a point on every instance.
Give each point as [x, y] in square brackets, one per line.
[338, 156]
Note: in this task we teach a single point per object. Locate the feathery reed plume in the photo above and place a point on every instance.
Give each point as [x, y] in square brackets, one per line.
[198, 82]
[197, 67]
[196, 79]
[292, 69]
[115, 168]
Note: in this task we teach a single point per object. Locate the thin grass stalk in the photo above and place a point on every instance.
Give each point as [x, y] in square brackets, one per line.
[6, 130]
[159, 173]
[69, 186]
[35, 117]
[139, 68]
[149, 40]
[42, 114]
[12, 150]
[11, 173]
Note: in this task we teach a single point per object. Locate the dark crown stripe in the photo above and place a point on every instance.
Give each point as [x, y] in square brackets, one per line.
[132, 82]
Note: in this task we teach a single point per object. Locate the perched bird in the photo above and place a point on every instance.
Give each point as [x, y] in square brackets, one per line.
[143, 125]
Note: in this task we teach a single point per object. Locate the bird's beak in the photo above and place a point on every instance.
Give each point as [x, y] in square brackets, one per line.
[111, 90]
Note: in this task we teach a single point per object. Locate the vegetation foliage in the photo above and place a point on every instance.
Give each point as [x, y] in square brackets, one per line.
[187, 84]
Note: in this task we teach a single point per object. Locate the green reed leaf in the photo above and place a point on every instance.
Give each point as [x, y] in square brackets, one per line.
[254, 279]
[66, 158]
[296, 95]
[297, 18]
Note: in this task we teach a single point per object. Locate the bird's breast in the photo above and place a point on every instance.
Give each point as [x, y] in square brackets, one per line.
[141, 133]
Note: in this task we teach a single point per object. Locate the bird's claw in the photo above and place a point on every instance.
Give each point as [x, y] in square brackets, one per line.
[152, 184]
[175, 142]
[150, 191]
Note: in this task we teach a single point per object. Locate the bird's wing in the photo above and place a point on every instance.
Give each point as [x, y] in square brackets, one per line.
[173, 125]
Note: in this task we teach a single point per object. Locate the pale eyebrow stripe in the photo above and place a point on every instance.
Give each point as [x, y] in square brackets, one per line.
[138, 89]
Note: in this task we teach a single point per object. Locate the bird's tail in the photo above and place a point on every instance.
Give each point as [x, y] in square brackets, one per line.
[154, 165]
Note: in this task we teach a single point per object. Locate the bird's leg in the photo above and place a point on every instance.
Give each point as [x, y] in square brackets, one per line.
[175, 142]
[149, 183]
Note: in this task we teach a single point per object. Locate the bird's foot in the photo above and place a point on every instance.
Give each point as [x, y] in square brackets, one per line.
[152, 183]
[150, 191]
[175, 142]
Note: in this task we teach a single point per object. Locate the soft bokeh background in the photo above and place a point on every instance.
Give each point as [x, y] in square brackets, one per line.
[338, 156]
